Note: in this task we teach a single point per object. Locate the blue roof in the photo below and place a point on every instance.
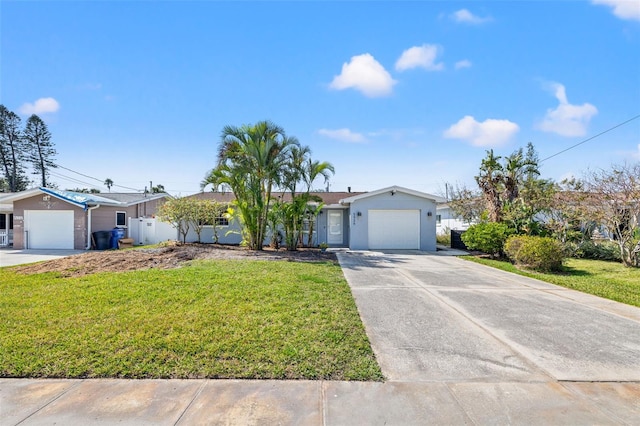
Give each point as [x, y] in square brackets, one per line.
[80, 199]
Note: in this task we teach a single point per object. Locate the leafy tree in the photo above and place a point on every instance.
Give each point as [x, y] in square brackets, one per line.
[250, 162]
[109, 183]
[201, 213]
[40, 150]
[177, 211]
[522, 214]
[467, 204]
[159, 188]
[12, 151]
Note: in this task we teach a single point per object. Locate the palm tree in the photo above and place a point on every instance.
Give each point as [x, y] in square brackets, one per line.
[301, 169]
[313, 170]
[518, 169]
[109, 183]
[251, 159]
[489, 180]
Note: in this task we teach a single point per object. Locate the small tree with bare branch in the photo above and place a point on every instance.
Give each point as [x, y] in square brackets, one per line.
[611, 198]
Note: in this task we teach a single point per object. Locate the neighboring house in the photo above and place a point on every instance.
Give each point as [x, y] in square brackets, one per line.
[389, 218]
[446, 220]
[45, 218]
[6, 221]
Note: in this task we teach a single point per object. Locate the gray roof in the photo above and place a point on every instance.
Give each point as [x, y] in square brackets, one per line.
[329, 198]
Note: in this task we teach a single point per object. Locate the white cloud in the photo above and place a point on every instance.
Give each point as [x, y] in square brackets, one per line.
[420, 57]
[567, 119]
[636, 154]
[464, 16]
[490, 132]
[40, 106]
[365, 74]
[623, 9]
[344, 135]
[465, 63]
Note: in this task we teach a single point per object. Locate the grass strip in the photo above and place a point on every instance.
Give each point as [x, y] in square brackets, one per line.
[610, 280]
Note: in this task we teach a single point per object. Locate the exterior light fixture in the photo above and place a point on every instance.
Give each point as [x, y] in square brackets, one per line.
[429, 213]
[359, 214]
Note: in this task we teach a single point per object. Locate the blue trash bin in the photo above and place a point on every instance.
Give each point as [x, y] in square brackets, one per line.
[116, 234]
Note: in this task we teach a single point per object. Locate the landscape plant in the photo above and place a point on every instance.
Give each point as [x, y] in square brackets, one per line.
[178, 212]
[488, 237]
[536, 253]
[253, 161]
[611, 198]
[250, 162]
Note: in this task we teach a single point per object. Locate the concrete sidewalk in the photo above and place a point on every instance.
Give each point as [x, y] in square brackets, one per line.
[459, 343]
[234, 402]
[9, 257]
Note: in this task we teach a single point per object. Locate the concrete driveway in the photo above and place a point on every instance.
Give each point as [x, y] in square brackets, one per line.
[507, 348]
[10, 257]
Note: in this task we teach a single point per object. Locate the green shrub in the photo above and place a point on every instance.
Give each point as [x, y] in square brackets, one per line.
[486, 237]
[537, 253]
[603, 250]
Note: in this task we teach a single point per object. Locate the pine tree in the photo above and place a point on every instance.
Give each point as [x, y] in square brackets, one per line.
[40, 150]
[12, 151]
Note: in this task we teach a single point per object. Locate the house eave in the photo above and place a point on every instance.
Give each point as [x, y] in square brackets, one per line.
[393, 189]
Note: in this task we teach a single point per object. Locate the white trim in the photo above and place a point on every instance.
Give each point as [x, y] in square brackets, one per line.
[393, 189]
[125, 219]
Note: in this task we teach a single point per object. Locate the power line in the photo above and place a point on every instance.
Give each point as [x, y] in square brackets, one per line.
[591, 138]
[96, 179]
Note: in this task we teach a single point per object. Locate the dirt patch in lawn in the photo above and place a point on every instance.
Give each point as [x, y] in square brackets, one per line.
[172, 256]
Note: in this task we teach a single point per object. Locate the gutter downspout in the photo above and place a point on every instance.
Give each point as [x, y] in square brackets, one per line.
[89, 225]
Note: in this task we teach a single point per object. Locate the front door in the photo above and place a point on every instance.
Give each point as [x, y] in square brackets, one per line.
[334, 232]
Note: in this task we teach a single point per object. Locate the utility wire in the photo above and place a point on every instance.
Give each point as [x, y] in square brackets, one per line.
[591, 138]
[96, 179]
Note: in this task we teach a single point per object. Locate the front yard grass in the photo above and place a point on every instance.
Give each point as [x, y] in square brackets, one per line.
[210, 319]
[610, 280]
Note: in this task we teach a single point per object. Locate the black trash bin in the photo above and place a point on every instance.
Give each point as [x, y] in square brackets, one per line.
[101, 239]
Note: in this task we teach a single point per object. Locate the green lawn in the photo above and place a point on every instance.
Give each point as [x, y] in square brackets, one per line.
[605, 279]
[214, 319]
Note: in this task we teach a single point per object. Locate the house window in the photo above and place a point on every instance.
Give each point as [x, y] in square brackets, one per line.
[222, 221]
[438, 219]
[3, 221]
[121, 219]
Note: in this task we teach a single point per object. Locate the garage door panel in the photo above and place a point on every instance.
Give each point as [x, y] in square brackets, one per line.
[49, 229]
[394, 229]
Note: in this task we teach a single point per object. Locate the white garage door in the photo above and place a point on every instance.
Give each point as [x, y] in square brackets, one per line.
[394, 229]
[49, 229]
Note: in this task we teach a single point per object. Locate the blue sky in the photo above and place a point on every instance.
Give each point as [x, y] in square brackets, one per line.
[392, 93]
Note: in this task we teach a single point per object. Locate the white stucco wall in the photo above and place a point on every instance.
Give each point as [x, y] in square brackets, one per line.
[449, 221]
